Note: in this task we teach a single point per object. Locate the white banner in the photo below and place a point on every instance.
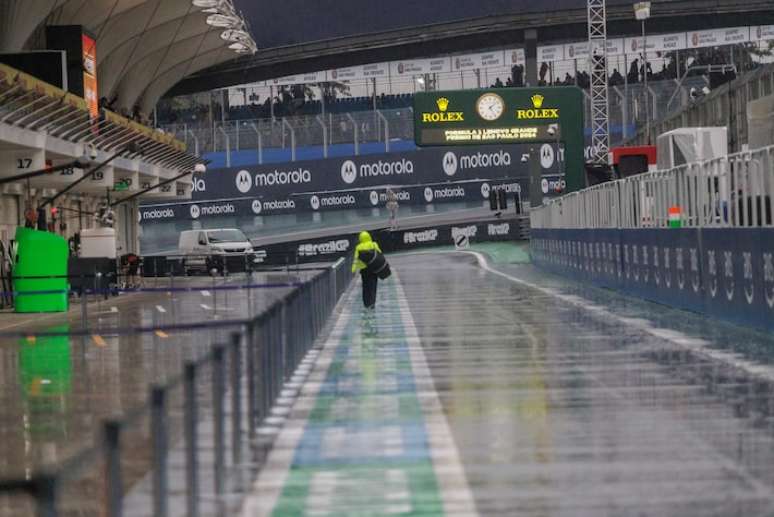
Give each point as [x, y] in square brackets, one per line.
[420, 66]
[312, 77]
[550, 53]
[615, 47]
[350, 73]
[492, 59]
[498, 59]
[515, 56]
[377, 70]
[762, 33]
[578, 50]
[466, 62]
[717, 37]
[656, 43]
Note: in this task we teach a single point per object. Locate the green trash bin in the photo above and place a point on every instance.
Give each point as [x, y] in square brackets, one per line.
[40, 254]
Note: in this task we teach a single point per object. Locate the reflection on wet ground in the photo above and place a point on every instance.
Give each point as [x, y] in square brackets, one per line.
[558, 410]
[468, 392]
[559, 399]
[55, 390]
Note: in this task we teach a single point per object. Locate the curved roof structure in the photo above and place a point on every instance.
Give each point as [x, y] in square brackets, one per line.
[143, 46]
[147, 47]
[298, 36]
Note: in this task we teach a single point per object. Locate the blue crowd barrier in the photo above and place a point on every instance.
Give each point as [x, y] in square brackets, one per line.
[726, 273]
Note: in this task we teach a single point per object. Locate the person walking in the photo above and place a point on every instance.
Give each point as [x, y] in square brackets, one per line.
[392, 206]
[372, 265]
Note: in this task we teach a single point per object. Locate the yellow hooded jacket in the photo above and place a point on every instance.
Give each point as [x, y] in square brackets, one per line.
[366, 244]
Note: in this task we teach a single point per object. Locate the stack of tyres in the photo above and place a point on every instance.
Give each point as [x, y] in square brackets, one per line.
[40, 272]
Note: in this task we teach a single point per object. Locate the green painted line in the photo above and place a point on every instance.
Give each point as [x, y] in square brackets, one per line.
[365, 446]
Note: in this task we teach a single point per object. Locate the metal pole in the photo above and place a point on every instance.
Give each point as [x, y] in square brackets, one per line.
[218, 391]
[535, 187]
[190, 417]
[374, 85]
[84, 305]
[45, 496]
[271, 102]
[645, 78]
[321, 121]
[260, 141]
[158, 400]
[356, 137]
[227, 140]
[252, 409]
[386, 131]
[112, 433]
[236, 397]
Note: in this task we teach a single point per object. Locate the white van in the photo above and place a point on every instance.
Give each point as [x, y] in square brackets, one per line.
[199, 246]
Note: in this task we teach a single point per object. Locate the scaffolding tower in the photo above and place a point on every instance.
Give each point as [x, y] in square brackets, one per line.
[600, 121]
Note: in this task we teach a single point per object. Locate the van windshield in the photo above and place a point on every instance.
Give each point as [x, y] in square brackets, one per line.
[226, 236]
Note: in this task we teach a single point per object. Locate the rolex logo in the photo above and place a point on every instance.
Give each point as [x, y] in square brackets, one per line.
[537, 112]
[443, 103]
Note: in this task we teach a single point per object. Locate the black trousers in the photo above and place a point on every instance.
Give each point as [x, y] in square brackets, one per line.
[370, 283]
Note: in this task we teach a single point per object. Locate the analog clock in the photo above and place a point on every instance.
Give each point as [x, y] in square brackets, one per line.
[490, 106]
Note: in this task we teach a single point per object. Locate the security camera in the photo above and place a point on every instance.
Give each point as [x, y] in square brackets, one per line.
[552, 130]
[525, 158]
[82, 162]
[93, 153]
[200, 168]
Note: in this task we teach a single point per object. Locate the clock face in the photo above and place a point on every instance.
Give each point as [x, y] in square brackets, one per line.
[490, 106]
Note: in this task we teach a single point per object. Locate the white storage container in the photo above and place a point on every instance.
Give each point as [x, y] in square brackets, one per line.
[98, 243]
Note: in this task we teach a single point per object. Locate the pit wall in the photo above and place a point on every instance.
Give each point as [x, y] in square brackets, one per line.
[725, 273]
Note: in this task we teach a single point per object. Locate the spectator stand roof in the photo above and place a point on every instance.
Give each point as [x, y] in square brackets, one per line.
[143, 46]
[37, 119]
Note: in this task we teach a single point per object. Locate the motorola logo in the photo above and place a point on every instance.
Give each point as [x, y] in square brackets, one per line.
[244, 182]
[485, 190]
[429, 195]
[450, 164]
[374, 197]
[547, 156]
[257, 206]
[348, 172]
[199, 185]
[315, 202]
[195, 211]
[164, 213]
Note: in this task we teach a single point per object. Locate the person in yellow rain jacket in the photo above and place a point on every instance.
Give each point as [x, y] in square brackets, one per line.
[372, 265]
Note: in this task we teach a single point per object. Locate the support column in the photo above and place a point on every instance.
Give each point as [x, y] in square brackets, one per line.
[530, 52]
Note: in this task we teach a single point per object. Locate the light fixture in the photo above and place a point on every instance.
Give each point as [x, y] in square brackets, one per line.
[235, 35]
[224, 21]
[642, 11]
[206, 3]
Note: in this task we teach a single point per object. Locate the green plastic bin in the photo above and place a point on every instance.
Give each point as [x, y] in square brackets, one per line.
[40, 254]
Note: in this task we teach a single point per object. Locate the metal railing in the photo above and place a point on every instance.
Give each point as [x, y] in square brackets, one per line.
[627, 109]
[732, 191]
[222, 398]
[356, 128]
[725, 106]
